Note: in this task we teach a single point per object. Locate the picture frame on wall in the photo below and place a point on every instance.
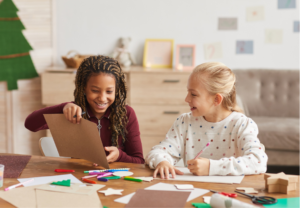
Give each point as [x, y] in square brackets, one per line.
[158, 53]
[185, 57]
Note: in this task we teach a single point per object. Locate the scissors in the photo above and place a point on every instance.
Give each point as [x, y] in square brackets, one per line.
[232, 195]
[260, 199]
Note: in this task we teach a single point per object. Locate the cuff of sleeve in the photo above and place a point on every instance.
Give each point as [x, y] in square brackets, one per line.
[159, 160]
[215, 167]
[120, 155]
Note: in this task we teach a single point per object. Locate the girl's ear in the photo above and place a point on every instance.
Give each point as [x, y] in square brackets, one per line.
[218, 99]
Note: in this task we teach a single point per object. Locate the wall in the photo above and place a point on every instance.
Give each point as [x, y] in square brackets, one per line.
[94, 26]
[16, 105]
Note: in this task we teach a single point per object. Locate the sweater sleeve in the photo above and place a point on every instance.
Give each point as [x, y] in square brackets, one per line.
[251, 157]
[171, 148]
[36, 121]
[133, 146]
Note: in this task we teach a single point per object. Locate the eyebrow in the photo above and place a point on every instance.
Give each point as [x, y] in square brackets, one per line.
[106, 88]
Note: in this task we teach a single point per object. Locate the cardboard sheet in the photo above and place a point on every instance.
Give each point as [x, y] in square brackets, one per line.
[14, 165]
[85, 189]
[77, 140]
[28, 197]
[153, 198]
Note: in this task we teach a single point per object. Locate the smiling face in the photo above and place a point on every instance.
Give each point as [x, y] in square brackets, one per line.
[201, 102]
[100, 93]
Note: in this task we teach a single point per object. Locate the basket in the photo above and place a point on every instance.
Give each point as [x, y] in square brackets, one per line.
[74, 61]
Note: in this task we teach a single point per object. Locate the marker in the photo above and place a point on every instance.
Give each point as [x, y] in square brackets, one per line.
[64, 171]
[89, 181]
[103, 175]
[81, 114]
[112, 177]
[19, 184]
[202, 151]
[107, 170]
[102, 179]
[132, 179]
[91, 176]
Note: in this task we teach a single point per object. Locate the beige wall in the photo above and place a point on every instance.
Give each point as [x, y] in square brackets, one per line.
[15, 105]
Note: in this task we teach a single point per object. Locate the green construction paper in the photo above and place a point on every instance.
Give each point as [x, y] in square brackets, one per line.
[63, 183]
[8, 5]
[7, 25]
[8, 14]
[13, 42]
[13, 69]
[284, 202]
[112, 177]
[105, 207]
[201, 205]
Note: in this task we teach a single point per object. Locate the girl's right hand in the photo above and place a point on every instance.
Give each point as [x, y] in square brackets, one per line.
[70, 110]
[164, 168]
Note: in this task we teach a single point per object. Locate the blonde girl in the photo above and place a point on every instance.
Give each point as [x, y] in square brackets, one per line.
[215, 118]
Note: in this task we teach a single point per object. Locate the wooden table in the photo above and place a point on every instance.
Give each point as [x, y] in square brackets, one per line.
[45, 166]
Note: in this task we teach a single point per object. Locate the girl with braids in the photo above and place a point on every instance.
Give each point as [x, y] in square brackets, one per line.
[215, 118]
[100, 91]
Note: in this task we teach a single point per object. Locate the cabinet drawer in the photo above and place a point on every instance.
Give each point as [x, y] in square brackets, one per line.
[157, 120]
[149, 141]
[158, 88]
[57, 88]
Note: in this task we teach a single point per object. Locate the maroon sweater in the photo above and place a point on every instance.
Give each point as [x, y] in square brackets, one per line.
[130, 151]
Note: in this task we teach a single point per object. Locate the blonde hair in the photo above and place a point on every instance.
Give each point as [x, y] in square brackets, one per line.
[218, 78]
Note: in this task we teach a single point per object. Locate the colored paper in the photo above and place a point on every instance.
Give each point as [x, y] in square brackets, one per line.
[227, 24]
[79, 141]
[145, 198]
[213, 51]
[285, 202]
[244, 47]
[296, 26]
[62, 183]
[49, 179]
[188, 176]
[14, 165]
[273, 36]
[286, 4]
[254, 14]
[201, 205]
[165, 187]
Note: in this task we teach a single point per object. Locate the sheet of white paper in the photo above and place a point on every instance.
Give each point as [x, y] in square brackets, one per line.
[165, 187]
[188, 176]
[49, 179]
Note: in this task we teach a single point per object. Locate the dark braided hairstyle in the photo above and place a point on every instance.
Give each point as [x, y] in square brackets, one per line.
[104, 64]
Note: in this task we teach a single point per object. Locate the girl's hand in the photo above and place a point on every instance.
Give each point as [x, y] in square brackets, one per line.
[199, 166]
[164, 168]
[113, 154]
[70, 110]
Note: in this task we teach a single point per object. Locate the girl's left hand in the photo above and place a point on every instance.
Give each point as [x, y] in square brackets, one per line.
[113, 154]
[199, 166]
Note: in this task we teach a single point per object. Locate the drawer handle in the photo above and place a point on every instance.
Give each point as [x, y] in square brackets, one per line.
[171, 112]
[171, 80]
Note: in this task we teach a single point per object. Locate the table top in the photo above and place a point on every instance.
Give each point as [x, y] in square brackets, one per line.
[45, 166]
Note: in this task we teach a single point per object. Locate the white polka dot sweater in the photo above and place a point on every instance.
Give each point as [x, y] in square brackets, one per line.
[234, 147]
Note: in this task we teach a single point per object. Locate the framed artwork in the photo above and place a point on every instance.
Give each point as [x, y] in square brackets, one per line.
[185, 57]
[158, 53]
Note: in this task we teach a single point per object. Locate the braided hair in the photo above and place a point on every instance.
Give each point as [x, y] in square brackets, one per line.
[104, 64]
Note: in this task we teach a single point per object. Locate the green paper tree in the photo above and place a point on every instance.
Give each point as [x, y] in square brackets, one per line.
[62, 183]
[15, 60]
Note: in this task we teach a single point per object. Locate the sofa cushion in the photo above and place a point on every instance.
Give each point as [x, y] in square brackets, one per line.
[272, 93]
[278, 133]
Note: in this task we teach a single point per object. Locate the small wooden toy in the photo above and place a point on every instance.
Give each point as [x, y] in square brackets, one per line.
[247, 190]
[280, 182]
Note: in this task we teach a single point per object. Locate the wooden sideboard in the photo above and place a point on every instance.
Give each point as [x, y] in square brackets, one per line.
[156, 95]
